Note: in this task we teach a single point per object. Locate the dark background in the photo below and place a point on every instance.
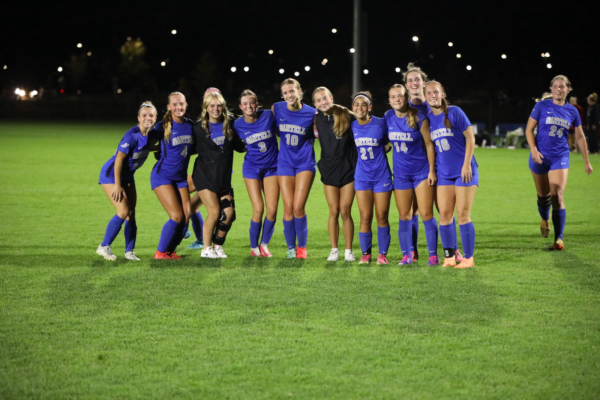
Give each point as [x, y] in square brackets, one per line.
[38, 37]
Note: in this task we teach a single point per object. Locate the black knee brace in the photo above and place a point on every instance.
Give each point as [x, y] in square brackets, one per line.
[226, 203]
[544, 202]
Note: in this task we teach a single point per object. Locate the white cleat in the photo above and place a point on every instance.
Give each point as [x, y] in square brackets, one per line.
[219, 251]
[106, 252]
[208, 252]
[349, 255]
[334, 255]
[130, 255]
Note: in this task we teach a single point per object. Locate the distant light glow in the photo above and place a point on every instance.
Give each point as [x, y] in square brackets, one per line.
[334, 30]
[415, 38]
[33, 93]
[89, 53]
[246, 69]
[398, 69]
[17, 91]
[59, 69]
[307, 68]
[129, 38]
[22, 92]
[366, 71]
[352, 50]
[543, 55]
[79, 45]
[174, 32]
[6, 67]
[119, 91]
[547, 54]
[233, 69]
[162, 64]
[281, 70]
[79, 92]
[458, 55]
[450, 44]
[504, 56]
[297, 73]
[549, 66]
[468, 68]
[270, 51]
[324, 61]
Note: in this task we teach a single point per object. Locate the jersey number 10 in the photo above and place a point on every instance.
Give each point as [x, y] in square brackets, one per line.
[291, 140]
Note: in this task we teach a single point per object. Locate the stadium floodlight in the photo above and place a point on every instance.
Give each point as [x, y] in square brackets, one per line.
[246, 69]
[297, 73]
[17, 91]
[352, 50]
[22, 92]
[415, 38]
[233, 69]
[5, 66]
[270, 51]
[504, 56]
[89, 53]
[549, 66]
[174, 32]
[450, 44]
[59, 69]
[458, 55]
[281, 70]
[119, 91]
[468, 68]
[398, 69]
[324, 61]
[79, 45]
[307, 68]
[366, 71]
[163, 64]
[547, 55]
[334, 30]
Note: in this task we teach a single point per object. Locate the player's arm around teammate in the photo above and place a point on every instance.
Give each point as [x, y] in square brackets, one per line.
[414, 171]
[549, 158]
[458, 176]
[168, 178]
[337, 166]
[258, 129]
[373, 178]
[215, 143]
[116, 178]
[296, 164]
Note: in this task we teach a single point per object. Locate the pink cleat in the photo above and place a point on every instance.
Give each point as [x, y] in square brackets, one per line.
[382, 259]
[365, 259]
[459, 257]
[406, 260]
[433, 260]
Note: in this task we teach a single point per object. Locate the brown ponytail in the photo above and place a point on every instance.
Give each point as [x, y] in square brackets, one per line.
[168, 118]
[341, 120]
[447, 122]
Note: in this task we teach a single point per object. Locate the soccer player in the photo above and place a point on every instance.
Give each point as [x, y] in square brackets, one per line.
[296, 164]
[373, 178]
[168, 178]
[258, 129]
[458, 177]
[549, 157]
[116, 178]
[414, 171]
[215, 143]
[337, 166]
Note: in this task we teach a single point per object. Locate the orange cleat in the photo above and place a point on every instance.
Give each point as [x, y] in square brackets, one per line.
[559, 244]
[466, 263]
[174, 256]
[449, 262]
[159, 255]
[301, 252]
[545, 228]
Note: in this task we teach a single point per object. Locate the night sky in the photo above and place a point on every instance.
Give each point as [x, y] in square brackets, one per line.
[38, 37]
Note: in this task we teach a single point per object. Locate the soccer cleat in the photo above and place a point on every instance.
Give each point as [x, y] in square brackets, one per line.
[433, 260]
[187, 234]
[219, 251]
[301, 252]
[196, 245]
[466, 263]
[558, 244]
[291, 253]
[255, 252]
[382, 259]
[406, 260]
[449, 262]
[264, 251]
[365, 259]
[208, 252]
[159, 255]
[349, 255]
[106, 252]
[174, 256]
[130, 255]
[459, 257]
[545, 228]
[414, 255]
[334, 255]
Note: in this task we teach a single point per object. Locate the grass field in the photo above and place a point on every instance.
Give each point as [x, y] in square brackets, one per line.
[524, 323]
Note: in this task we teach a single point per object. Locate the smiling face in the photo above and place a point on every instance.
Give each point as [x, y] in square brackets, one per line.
[177, 105]
[434, 94]
[248, 105]
[559, 90]
[215, 110]
[398, 98]
[147, 118]
[290, 93]
[361, 108]
[414, 83]
[323, 100]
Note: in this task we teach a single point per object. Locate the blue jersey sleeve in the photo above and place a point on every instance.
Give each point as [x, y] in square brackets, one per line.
[420, 118]
[576, 118]
[459, 120]
[128, 143]
[537, 110]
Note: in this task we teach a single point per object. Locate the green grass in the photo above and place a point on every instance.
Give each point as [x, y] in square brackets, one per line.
[524, 323]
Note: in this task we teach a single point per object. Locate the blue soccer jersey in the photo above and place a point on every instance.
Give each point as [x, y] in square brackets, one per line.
[175, 153]
[260, 138]
[423, 108]
[216, 134]
[450, 143]
[135, 146]
[553, 126]
[297, 135]
[410, 157]
[370, 140]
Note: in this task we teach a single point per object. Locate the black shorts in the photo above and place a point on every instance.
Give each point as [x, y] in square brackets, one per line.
[336, 172]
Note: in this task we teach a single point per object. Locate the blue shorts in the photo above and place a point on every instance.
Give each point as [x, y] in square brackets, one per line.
[458, 180]
[385, 185]
[157, 180]
[107, 180]
[405, 182]
[284, 170]
[251, 171]
[549, 163]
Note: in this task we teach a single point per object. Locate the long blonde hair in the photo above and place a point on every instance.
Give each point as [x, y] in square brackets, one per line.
[447, 122]
[204, 119]
[411, 113]
[168, 118]
[341, 115]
